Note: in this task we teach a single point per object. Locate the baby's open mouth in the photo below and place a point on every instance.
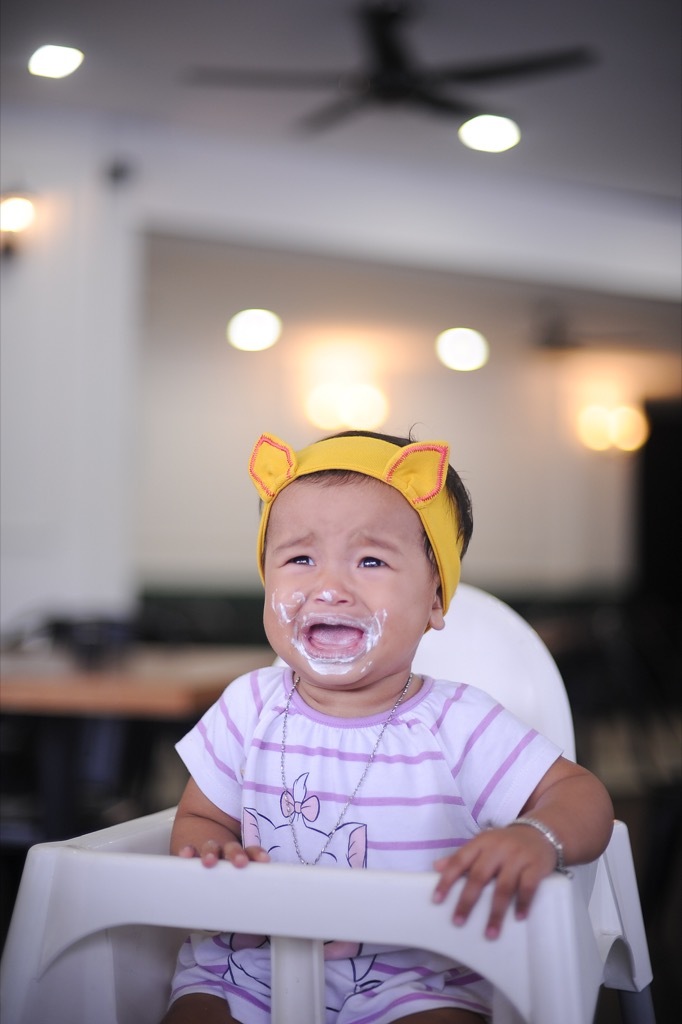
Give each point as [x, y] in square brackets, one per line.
[334, 639]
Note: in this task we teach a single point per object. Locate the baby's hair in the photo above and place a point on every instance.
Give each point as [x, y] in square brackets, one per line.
[454, 486]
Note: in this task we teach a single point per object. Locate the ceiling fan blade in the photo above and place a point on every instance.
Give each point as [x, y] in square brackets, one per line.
[516, 67]
[334, 112]
[381, 23]
[440, 104]
[248, 79]
[392, 77]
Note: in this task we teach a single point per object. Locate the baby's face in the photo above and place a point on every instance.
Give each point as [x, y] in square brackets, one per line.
[350, 589]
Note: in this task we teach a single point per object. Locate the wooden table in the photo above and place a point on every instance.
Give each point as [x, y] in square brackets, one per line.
[159, 683]
[149, 692]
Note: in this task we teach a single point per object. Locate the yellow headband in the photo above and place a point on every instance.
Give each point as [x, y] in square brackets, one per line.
[417, 471]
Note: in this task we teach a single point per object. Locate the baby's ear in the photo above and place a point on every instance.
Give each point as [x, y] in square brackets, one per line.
[437, 616]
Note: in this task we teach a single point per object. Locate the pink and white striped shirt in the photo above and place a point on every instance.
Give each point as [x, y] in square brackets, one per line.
[451, 762]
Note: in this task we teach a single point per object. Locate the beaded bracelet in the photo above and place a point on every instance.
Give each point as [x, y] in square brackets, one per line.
[549, 835]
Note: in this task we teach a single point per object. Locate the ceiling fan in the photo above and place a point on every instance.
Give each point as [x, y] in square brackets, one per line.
[393, 76]
[556, 332]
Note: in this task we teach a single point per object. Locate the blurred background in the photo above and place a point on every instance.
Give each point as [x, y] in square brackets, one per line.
[307, 159]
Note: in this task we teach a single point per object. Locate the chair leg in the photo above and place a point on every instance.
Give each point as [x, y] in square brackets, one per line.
[637, 1007]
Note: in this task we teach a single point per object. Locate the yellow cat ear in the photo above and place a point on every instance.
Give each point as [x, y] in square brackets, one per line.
[419, 470]
[272, 463]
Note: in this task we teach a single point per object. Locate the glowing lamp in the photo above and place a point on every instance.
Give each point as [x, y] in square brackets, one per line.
[490, 133]
[55, 61]
[358, 406]
[461, 348]
[253, 330]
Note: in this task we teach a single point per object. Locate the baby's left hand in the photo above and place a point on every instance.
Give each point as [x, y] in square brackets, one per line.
[518, 858]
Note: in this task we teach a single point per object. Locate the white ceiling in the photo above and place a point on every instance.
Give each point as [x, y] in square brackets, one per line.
[605, 133]
[614, 124]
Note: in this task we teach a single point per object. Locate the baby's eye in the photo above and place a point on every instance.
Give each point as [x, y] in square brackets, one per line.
[370, 561]
[300, 560]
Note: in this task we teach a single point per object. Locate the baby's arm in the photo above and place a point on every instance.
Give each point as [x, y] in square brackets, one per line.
[202, 830]
[575, 807]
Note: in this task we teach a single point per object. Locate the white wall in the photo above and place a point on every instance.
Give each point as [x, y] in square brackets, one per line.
[75, 422]
[69, 340]
[550, 515]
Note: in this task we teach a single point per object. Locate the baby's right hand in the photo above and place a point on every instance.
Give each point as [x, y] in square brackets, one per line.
[211, 852]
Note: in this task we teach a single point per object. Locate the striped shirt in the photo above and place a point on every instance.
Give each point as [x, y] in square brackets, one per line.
[451, 762]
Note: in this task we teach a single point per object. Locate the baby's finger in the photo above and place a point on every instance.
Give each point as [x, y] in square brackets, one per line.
[450, 870]
[235, 853]
[527, 887]
[506, 885]
[210, 853]
[188, 851]
[469, 896]
[257, 853]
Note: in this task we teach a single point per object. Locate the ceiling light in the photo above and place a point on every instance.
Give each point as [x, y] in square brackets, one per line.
[55, 61]
[489, 133]
[461, 348]
[253, 330]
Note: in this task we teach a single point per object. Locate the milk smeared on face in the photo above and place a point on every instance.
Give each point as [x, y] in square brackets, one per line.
[285, 610]
[331, 643]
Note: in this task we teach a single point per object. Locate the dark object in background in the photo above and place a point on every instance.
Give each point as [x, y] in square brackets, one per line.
[659, 504]
[93, 642]
[196, 617]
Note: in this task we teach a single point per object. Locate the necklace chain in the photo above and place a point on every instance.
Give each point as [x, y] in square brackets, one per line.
[342, 815]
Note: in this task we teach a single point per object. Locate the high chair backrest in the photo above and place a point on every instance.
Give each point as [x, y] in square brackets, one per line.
[487, 644]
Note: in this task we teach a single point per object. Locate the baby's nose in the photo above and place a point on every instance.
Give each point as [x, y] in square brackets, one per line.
[331, 595]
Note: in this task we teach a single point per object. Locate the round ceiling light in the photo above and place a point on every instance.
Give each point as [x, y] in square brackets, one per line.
[55, 61]
[490, 133]
[461, 348]
[253, 330]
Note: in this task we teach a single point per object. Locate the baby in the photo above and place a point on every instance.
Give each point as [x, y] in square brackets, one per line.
[346, 757]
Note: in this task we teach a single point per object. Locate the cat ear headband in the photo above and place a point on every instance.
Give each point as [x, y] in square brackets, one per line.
[417, 471]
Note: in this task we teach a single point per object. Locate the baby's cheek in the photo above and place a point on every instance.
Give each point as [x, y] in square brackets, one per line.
[285, 605]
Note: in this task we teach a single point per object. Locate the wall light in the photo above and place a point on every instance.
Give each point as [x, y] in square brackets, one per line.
[358, 406]
[253, 330]
[461, 348]
[624, 427]
[55, 61]
[490, 133]
[17, 213]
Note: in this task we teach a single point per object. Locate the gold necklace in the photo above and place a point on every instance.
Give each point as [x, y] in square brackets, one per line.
[355, 792]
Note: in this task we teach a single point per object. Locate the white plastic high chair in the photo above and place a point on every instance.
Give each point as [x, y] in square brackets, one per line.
[98, 919]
